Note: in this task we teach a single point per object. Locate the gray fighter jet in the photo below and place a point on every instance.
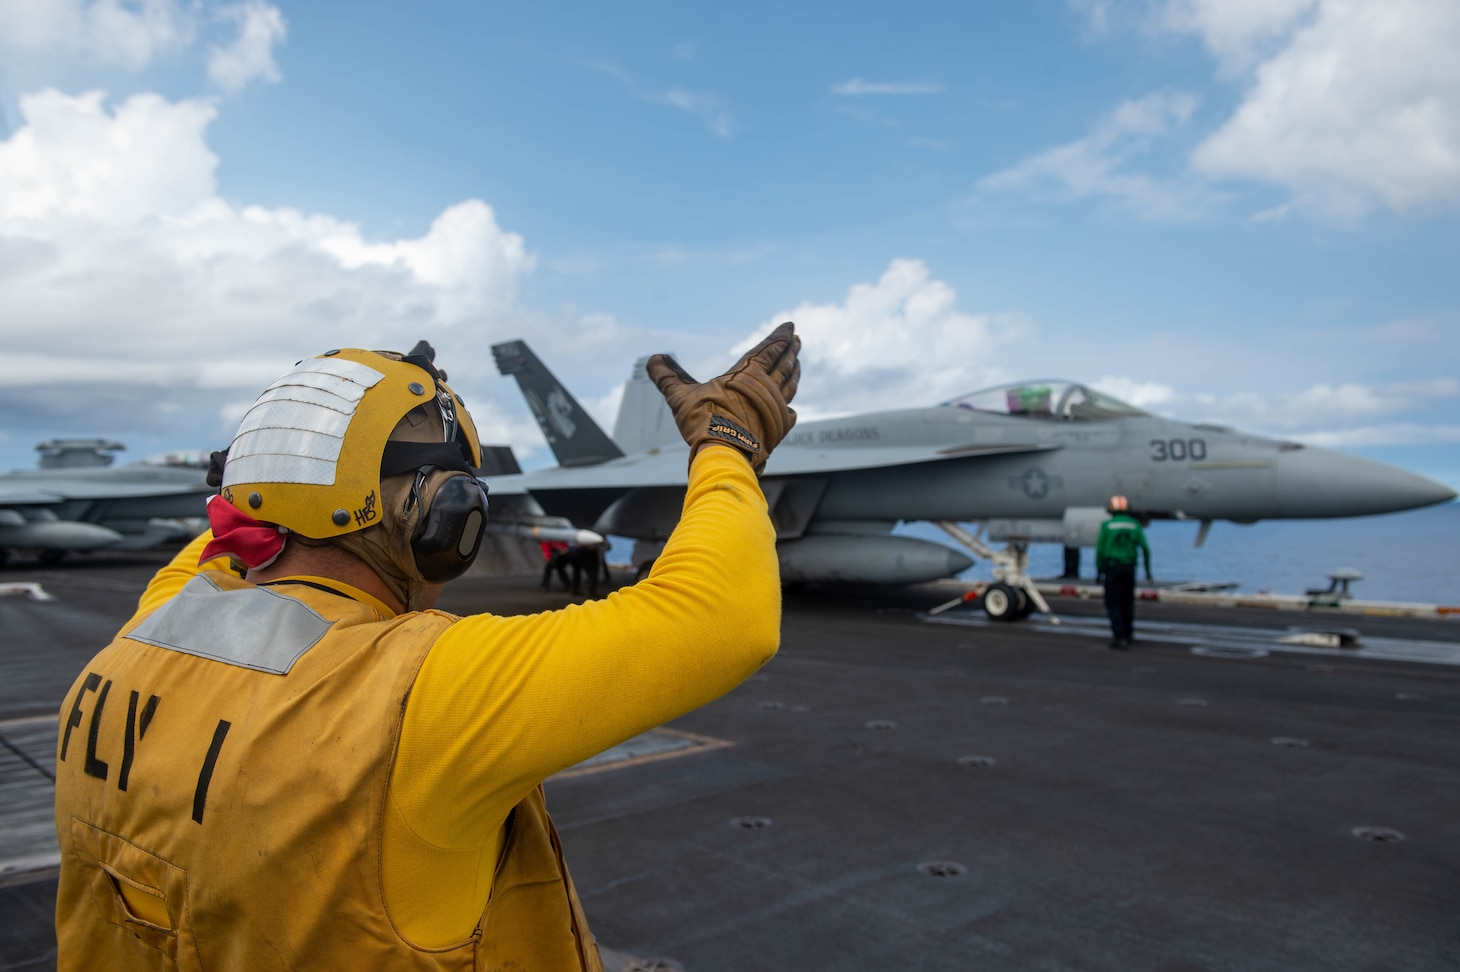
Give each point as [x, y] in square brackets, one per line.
[1031, 462]
[76, 501]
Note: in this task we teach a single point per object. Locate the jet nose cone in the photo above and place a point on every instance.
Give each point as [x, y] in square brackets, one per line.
[958, 562]
[1315, 482]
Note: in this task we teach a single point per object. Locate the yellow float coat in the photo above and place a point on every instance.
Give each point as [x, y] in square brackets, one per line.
[377, 806]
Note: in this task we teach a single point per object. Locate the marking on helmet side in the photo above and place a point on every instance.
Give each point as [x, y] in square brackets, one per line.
[368, 512]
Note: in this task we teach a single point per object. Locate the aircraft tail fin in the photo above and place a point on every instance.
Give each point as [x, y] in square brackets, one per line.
[499, 460]
[644, 420]
[576, 440]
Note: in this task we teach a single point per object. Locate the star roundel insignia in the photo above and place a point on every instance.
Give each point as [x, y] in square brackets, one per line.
[1036, 483]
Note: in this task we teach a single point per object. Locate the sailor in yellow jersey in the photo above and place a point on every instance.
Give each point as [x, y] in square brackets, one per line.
[309, 768]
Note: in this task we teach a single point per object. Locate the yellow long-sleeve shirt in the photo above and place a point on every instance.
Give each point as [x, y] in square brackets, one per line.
[501, 703]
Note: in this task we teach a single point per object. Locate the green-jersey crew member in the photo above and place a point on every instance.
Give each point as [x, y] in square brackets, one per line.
[1121, 541]
[307, 767]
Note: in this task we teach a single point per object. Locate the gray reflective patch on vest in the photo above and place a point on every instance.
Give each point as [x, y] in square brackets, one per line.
[252, 627]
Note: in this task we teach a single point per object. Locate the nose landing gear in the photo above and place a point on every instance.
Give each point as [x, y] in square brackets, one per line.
[1013, 595]
[1002, 602]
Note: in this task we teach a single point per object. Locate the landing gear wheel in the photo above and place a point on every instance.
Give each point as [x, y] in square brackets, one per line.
[50, 558]
[1026, 604]
[1001, 602]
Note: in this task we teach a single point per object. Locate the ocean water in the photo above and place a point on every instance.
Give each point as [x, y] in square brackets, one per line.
[1413, 556]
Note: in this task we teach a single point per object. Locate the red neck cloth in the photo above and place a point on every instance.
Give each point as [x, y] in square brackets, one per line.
[251, 542]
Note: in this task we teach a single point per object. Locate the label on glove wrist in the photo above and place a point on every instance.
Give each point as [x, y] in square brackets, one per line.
[723, 428]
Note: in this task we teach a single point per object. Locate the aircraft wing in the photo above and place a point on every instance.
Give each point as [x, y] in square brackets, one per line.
[668, 467]
[44, 492]
[801, 460]
[27, 496]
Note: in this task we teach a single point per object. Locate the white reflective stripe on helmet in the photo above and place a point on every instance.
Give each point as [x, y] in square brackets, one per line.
[317, 372]
[280, 469]
[305, 393]
[293, 413]
[296, 428]
[288, 442]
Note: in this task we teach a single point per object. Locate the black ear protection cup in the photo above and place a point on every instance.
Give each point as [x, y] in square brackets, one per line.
[448, 535]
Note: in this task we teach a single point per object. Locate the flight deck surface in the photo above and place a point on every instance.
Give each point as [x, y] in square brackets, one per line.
[895, 791]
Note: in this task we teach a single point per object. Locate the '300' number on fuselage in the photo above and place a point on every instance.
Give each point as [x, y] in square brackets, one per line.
[1178, 450]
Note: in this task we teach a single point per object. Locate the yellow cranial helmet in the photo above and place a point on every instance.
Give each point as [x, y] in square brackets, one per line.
[311, 452]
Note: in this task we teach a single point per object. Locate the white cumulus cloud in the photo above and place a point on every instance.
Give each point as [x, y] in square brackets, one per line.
[896, 343]
[1361, 106]
[131, 34]
[250, 55]
[1237, 32]
[1347, 105]
[72, 159]
[136, 33]
[604, 408]
[131, 287]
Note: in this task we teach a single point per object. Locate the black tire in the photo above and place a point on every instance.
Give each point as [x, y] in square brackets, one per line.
[1001, 602]
[50, 558]
[1026, 605]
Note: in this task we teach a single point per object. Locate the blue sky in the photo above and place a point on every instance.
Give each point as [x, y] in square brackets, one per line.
[1237, 211]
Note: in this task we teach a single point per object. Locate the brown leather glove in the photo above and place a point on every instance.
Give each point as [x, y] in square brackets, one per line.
[747, 407]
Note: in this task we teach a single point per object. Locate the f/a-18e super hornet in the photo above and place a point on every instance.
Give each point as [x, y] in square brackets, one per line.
[77, 501]
[1032, 462]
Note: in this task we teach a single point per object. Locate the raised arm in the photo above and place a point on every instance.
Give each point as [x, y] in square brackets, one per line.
[502, 703]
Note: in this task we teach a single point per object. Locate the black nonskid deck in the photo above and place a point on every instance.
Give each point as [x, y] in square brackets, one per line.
[891, 793]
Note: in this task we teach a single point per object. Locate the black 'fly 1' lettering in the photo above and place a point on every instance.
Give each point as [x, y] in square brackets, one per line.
[135, 730]
[205, 775]
[74, 719]
[94, 766]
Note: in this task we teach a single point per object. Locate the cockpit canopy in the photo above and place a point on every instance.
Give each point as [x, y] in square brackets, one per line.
[1053, 399]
